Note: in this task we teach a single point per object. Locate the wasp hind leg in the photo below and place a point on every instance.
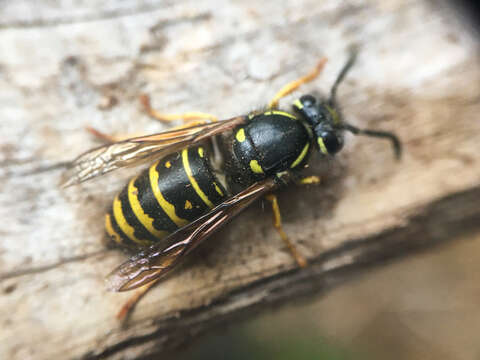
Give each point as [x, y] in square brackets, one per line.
[277, 223]
[130, 304]
[102, 136]
[106, 138]
[294, 85]
[191, 118]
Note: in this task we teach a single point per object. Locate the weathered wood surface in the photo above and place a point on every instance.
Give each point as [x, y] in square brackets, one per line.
[418, 74]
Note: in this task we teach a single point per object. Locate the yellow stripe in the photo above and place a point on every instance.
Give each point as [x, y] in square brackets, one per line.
[240, 135]
[200, 152]
[298, 104]
[334, 114]
[323, 148]
[194, 183]
[278, 112]
[217, 188]
[301, 156]
[255, 166]
[146, 220]
[123, 225]
[110, 231]
[164, 204]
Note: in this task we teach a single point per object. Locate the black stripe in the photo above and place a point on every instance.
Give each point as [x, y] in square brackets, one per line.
[203, 173]
[139, 230]
[149, 204]
[177, 190]
[125, 239]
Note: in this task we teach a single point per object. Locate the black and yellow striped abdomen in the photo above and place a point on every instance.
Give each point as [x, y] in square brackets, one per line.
[171, 193]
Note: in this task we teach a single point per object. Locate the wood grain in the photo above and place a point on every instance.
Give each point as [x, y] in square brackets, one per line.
[65, 68]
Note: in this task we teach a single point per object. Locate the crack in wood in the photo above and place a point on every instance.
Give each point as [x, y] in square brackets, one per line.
[100, 16]
[439, 221]
[48, 267]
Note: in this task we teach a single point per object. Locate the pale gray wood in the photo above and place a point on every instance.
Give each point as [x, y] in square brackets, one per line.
[418, 74]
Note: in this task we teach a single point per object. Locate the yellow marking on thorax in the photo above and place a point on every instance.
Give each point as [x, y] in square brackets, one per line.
[144, 219]
[278, 112]
[255, 166]
[297, 103]
[164, 204]
[200, 152]
[217, 188]
[188, 170]
[240, 135]
[300, 157]
[168, 164]
[188, 205]
[334, 114]
[124, 226]
[322, 146]
[110, 231]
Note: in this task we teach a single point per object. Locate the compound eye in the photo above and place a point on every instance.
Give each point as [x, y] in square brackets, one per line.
[330, 142]
[308, 100]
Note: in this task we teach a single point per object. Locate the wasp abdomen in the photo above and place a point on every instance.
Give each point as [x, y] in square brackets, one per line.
[171, 193]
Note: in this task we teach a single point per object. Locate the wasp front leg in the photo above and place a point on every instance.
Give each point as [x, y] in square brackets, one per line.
[277, 223]
[294, 85]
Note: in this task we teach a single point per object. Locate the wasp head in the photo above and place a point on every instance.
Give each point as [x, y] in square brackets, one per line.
[324, 118]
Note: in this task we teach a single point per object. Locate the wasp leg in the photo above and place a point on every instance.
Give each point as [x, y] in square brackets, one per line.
[102, 136]
[294, 85]
[186, 117]
[106, 138]
[309, 180]
[128, 307]
[277, 223]
[115, 138]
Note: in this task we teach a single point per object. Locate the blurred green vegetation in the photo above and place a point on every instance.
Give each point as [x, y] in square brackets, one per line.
[241, 344]
[421, 307]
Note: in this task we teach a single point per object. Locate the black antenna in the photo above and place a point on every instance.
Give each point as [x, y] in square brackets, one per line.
[341, 76]
[396, 144]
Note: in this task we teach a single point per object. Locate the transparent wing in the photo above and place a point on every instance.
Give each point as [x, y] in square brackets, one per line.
[156, 261]
[130, 152]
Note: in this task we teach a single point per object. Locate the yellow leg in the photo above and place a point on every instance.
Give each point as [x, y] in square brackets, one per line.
[186, 117]
[189, 124]
[294, 85]
[101, 135]
[309, 180]
[128, 307]
[277, 222]
[115, 138]
[109, 138]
